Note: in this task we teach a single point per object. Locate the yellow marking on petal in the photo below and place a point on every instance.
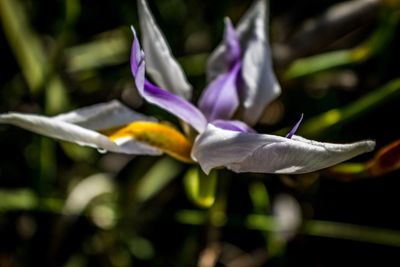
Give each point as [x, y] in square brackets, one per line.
[159, 135]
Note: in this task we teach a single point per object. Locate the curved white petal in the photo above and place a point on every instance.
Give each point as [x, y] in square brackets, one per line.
[160, 63]
[260, 85]
[251, 152]
[102, 116]
[58, 129]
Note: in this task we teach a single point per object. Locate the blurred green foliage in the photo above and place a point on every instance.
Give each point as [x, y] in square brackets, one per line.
[65, 205]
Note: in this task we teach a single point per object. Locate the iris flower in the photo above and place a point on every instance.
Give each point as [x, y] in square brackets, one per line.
[241, 84]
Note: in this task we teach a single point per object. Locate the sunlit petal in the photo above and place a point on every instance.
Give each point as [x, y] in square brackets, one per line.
[260, 84]
[161, 65]
[102, 116]
[251, 152]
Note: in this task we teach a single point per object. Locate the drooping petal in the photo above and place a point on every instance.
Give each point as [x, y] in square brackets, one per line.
[161, 65]
[233, 125]
[220, 99]
[102, 116]
[260, 85]
[175, 104]
[62, 130]
[251, 152]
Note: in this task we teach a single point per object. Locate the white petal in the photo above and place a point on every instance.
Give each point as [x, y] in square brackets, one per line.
[102, 116]
[66, 131]
[250, 152]
[160, 63]
[260, 84]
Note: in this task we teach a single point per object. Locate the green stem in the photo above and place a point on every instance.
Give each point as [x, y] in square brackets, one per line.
[333, 230]
[310, 227]
[26, 200]
[25, 44]
[31, 57]
[353, 232]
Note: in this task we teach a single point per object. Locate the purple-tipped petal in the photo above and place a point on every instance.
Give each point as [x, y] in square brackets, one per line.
[161, 65]
[137, 62]
[221, 99]
[136, 55]
[232, 44]
[263, 153]
[177, 105]
[226, 54]
[174, 104]
[237, 126]
[260, 86]
[295, 127]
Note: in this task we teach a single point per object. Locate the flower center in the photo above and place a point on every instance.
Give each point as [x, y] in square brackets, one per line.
[159, 135]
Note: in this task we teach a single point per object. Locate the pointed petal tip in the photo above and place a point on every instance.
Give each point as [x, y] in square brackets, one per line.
[364, 146]
[161, 65]
[295, 127]
[4, 117]
[133, 31]
[261, 153]
[370, 145]
[55, 127]
[228, 21]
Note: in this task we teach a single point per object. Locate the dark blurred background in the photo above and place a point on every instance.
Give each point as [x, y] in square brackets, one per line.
[65, 205]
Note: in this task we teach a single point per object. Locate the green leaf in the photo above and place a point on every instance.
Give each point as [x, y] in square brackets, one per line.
[158, 176]
[259, 197]
[372, 46]
[27, 200]
[31, 57]
[110, 48]
[20, 199]
[201, 188]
